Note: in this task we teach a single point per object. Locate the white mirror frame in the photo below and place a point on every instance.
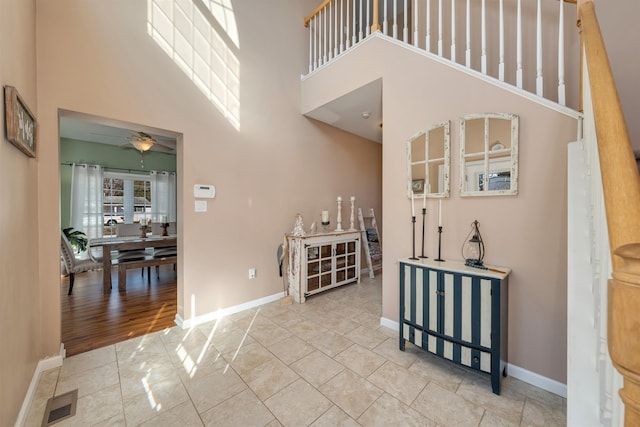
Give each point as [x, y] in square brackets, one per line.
[443, 173]
[481, 167]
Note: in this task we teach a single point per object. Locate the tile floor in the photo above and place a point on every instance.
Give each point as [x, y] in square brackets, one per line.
[327, 362]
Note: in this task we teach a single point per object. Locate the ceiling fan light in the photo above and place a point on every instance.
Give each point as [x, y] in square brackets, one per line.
[143, 143]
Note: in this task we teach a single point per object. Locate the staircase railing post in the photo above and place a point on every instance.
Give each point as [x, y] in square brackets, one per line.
[375, 26]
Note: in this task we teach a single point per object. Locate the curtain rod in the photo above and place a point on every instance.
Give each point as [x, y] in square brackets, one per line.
[107, 168]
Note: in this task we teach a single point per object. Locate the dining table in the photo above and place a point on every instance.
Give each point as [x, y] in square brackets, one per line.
[109, 244]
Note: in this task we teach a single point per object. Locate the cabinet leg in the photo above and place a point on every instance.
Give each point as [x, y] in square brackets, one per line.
[401, 343]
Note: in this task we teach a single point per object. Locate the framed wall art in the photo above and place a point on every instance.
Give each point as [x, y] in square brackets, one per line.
[20, 123]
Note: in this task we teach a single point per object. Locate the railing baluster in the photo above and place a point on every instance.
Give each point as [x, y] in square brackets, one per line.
[405, 29]
[484, 40]
[395, 19]
[501, 65]
[467, 60]
[368, 30]
[341, 26]
[347, 38]
[360, 29]
[324, 30]
[561, 87]
[384, 22]
[519, 46]
[330, 30]
[428, 47]
[453, 30]
[336, 28]
[354, 23]
[415, 23]
[311, 44]
[539, 90]
[439, 27]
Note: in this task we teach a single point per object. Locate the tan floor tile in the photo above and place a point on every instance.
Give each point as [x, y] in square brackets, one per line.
[317, 368]
[183, 415]
[105, 404]
[146, 344]
[291, 349]
[86, 361]
[544, 397]
[307, 330]
[155, 400]
[331, 343]
[367, 337]
[508, 405]
[299, 404]
[208, 391]
[398, 382]
[90, 381]
[360, 360]
[248, 357]
[136, 379]
[389, 349]
[351, 393]
[389, 411]
[335, 417]
[536, 414]
[338, 324]
[269, 378]
[267, 334]
[494, 420]
[447, 408]
[446, 374]
[44, 390]
[245, 409]
[231, 341]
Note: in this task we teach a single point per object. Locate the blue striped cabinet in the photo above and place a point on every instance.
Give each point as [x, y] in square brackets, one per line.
[456, 312]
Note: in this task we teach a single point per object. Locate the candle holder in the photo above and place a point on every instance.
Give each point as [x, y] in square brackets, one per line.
[424, 213]
[413, 246]
[353, 214]
[143, 230]
[165, 226]
[339, 217]
[325, 227]
[439, 244]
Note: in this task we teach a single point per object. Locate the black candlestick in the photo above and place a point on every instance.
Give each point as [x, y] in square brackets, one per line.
[439, 244]
[413, 246]
[424, 213]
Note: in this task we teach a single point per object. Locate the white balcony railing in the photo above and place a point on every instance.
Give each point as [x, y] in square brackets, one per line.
[521, 42]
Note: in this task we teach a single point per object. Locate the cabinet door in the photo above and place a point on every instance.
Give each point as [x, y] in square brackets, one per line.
[345, 258]
[319, 266]
[473, 296]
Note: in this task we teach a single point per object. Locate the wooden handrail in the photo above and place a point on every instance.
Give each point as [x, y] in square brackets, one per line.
[375, 25]
[315, 12]
[621, 187]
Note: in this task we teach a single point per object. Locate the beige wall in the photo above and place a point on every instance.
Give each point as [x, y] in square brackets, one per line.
[102, 62]
[20, 296]
[530, 239]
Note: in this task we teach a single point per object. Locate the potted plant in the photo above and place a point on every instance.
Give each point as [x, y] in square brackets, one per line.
[77, 238]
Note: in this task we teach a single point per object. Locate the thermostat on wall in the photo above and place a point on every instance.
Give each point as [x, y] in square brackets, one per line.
[202, 191]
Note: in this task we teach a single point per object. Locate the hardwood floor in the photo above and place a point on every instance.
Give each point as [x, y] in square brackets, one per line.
[92, 319]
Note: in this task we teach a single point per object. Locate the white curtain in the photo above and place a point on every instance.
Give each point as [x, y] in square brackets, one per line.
[86, 199]
[163, 196]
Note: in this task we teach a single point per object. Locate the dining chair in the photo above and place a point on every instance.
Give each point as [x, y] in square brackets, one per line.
[126, 230]
[156, 230]
[74, 265]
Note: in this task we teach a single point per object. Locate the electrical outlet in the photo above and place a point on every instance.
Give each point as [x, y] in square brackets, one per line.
[252, 273]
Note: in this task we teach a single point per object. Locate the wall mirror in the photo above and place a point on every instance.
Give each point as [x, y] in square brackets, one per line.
[489, 154]
[428, 162]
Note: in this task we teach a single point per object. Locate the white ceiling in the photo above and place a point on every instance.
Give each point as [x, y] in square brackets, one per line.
[87, 129]
[346, 112]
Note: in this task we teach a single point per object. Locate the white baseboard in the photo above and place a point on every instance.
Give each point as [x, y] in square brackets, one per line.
[522, 374]
[552, 386]
[208, 317]
[42, 366]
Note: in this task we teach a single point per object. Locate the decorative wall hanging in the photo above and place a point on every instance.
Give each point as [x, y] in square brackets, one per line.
[20, 123]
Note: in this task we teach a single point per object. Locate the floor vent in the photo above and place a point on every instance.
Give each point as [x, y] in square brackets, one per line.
[60, 408]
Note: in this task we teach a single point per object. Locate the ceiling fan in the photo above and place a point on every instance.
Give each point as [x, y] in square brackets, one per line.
[142, 142]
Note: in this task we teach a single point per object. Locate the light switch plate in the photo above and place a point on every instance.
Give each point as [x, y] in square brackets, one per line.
[201, 206]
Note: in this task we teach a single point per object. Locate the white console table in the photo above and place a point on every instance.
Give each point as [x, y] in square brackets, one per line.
[318, 262]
